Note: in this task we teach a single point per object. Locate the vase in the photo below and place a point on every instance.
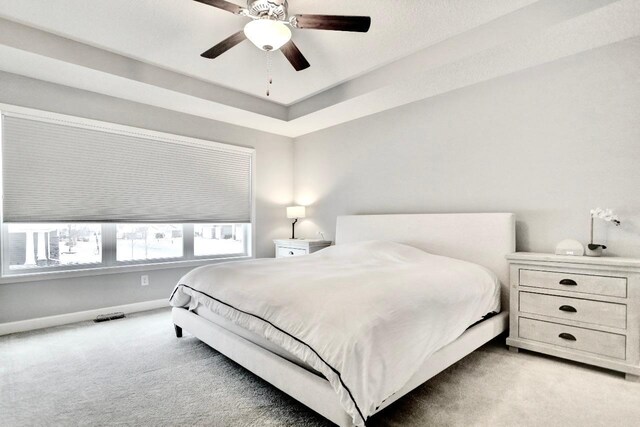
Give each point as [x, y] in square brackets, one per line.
[593, 252]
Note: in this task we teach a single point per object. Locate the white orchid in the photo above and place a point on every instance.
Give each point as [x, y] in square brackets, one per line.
[606, 215]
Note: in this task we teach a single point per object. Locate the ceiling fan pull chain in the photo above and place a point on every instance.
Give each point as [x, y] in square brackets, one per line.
[269, 78]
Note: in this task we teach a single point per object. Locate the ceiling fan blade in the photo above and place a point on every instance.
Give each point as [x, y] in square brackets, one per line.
[359, 24]
[224, 45]
[295, 57]
[224, 5]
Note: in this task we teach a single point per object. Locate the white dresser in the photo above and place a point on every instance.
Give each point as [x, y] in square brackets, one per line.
[579, 308]
[296, 247]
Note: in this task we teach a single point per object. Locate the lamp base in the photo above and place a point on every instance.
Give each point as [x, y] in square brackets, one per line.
[293, 229]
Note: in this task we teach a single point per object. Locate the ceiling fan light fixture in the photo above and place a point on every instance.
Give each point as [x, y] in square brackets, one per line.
[267, 34]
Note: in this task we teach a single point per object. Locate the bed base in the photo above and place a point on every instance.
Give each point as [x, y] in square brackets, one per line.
[315, 391]
[178, 330]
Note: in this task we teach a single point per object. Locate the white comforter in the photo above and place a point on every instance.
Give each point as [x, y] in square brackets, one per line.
[366, 315]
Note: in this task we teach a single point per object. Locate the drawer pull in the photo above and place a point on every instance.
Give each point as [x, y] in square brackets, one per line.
[568, 309]
[568, 282]
[567, 337]
[290, 252]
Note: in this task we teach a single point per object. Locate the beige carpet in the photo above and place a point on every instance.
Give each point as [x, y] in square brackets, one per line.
[134, 372]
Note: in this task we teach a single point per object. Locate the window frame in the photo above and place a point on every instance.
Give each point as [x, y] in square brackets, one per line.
[109, 264]
[109, 255]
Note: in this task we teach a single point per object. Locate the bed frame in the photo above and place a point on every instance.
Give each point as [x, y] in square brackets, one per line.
[484, 239]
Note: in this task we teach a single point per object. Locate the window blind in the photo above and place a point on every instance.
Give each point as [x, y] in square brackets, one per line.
[55, 171]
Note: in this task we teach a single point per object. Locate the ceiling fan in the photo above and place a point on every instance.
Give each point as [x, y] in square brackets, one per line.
[269, 27]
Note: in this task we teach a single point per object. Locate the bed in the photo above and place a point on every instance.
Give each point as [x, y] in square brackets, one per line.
[471, 243]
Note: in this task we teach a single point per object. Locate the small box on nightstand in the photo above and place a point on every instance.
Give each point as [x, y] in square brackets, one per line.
[297, 247]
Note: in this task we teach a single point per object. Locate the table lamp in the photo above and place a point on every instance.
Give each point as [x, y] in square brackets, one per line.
[295, 212]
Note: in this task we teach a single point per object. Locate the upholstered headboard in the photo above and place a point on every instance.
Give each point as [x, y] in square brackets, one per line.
[484, 238]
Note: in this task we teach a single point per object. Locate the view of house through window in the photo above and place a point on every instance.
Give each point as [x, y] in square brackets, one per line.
[57, 246]
[52, 245]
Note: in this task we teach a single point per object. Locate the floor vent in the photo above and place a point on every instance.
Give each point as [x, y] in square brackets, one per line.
[109, 316]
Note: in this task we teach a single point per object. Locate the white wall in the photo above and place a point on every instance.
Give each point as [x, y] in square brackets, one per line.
[274, 186]
[548, 143]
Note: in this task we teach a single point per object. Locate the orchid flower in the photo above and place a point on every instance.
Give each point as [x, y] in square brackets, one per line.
[606, 215]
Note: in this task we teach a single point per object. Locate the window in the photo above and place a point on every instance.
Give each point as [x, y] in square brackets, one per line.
[37, 248]
[218, 239]
[137, 242]
[79, 194]
[53, 245]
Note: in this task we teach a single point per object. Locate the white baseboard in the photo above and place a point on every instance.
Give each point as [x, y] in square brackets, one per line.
[80, 316]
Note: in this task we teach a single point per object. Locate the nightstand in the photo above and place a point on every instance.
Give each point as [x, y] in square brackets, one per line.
[297, 247]
[579, 308]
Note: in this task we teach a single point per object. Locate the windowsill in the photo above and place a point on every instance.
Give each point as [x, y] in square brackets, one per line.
[119, 269]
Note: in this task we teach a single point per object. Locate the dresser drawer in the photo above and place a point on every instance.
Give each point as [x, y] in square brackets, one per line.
[580, 310]
[584, 283]
[596, 342]
[286, 252]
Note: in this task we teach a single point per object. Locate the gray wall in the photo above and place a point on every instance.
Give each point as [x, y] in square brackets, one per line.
[274, 177]
[549, 144]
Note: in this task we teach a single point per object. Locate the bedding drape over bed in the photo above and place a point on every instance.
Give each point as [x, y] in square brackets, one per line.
[366, 315]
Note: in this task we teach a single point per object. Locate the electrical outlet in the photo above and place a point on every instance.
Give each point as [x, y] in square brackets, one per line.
[144, 280]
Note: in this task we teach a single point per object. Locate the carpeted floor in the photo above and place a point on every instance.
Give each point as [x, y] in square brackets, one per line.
[134, 372]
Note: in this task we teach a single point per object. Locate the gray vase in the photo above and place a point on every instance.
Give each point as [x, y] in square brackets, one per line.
[593, 252]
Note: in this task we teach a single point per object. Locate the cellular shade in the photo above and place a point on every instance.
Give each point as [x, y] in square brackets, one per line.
[65, 172]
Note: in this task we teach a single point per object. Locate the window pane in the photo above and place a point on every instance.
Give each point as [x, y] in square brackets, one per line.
[219, 239]
[138, 242]
[53, 245]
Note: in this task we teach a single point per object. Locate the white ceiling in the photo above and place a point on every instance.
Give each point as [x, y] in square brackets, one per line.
[148, 51]
[173, 33]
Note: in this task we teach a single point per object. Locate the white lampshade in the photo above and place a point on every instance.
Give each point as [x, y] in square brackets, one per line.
[295, 212]
[267, 34]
